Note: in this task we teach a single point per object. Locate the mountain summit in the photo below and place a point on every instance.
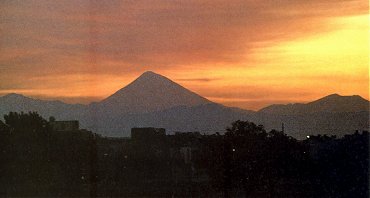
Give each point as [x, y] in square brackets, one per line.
[151, 92]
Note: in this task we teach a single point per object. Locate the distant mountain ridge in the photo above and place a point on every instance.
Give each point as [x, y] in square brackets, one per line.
[330, 103]
[17, 102]
[156, 101]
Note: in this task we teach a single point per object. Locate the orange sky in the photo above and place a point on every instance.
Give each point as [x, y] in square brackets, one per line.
[240, 53]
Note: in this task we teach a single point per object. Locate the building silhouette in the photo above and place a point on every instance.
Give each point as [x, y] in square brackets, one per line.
[71, 125]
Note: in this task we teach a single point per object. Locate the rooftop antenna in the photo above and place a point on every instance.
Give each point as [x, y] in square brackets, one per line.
[282, 127]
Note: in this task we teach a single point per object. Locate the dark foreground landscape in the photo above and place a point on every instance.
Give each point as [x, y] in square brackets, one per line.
[55, 158]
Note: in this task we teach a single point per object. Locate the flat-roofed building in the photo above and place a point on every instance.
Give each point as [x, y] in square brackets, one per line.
[70, 125]
[147, 133]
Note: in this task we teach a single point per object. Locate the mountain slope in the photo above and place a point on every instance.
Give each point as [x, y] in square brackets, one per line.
[207, 118]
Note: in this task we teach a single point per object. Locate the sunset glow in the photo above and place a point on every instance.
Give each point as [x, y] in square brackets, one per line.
[247, 54]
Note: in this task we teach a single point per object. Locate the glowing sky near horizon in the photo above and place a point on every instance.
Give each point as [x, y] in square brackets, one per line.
[243, 53]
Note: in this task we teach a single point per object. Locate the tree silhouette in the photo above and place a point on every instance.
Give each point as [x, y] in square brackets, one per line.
[244, 146]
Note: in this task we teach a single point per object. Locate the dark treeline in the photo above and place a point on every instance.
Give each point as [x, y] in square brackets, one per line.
[36, 161]
[247, 161]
